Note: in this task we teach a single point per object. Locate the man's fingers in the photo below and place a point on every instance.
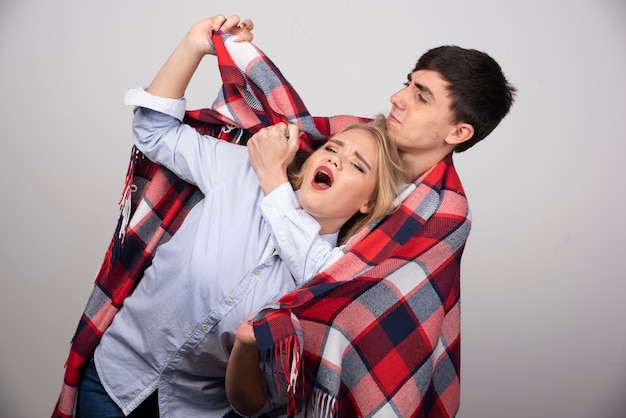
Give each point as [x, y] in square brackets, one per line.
[292, 131]
[236, 26]
[230, 23]
[217, 21]
[247, 24]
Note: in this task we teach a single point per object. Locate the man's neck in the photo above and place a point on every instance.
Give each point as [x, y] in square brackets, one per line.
[418, 164]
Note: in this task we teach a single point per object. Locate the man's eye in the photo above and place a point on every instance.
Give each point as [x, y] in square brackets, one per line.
[421, 98]
[330, 149]
[358, 167]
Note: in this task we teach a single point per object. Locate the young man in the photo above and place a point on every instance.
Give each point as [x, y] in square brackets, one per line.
[379, 332]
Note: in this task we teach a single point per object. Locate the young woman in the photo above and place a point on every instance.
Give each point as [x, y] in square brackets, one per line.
[250, 240]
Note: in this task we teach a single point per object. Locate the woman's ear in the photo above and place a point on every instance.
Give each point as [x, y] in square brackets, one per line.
[462, 132]
[367, 207]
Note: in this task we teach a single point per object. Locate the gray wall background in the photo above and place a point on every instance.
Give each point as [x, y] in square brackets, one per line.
[543, 273]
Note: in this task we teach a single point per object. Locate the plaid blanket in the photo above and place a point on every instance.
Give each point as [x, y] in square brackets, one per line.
[424, 248]
[378, 332]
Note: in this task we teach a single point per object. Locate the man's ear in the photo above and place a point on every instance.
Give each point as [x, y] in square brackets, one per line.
[367, 207]
[462, 132]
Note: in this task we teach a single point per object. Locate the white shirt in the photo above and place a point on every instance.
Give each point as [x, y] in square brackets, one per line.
[176, 330]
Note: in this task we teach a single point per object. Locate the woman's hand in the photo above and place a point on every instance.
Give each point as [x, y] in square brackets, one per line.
[245, 332]
[244, 384]
[271, 151]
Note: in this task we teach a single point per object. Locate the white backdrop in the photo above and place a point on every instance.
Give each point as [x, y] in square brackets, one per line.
[543, 332]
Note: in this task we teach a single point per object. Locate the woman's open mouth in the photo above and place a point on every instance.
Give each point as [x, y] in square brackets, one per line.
[323, 178]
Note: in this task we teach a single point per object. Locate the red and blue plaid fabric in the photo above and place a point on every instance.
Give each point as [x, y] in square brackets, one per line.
[378, 333]
[421, 248]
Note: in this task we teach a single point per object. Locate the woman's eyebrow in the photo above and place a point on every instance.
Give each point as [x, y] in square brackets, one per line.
[357, 153]
[360, 157]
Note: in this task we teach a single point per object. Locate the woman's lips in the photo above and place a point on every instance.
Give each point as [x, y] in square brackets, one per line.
[322, 179]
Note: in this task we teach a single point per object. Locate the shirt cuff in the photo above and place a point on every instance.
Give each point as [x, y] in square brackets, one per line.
[172, 107]
[279, 201]
[282, 202]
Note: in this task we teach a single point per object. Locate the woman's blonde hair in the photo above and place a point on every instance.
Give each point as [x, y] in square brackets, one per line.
[390, 175]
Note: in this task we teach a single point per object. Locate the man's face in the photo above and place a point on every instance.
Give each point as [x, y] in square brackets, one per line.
[420, 117]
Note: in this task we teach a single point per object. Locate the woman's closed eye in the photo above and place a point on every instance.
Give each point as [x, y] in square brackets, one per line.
[358, 167]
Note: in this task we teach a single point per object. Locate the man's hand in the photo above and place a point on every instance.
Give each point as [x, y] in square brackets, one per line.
[271, 150]
[200, 33]
[173, 78]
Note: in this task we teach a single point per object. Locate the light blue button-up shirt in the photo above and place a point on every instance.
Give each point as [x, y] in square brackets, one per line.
[176, 330]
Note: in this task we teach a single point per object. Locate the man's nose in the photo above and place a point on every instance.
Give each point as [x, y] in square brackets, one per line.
[397, 99]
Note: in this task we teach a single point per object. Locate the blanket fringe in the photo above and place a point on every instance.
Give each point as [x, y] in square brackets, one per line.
[125, 202]
[323, 405]
[287, 362]
[295, 372]
[125, 205]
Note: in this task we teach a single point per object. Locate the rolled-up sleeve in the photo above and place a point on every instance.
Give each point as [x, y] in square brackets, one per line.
[160, 134]
[139, 97]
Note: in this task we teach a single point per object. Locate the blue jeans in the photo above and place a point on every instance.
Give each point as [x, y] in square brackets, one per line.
[94, 402]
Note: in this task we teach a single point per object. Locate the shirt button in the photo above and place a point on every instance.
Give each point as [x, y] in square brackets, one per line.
[229, 302]
[204, 326]
[183, 351]
[164, 376]
[257, 271]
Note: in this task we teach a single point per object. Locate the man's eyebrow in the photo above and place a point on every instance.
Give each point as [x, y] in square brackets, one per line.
[424, 89]
[357, 153]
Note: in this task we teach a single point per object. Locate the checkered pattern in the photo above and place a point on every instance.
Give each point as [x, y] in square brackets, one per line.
[155, 201]
[379, 331]
[415, 253]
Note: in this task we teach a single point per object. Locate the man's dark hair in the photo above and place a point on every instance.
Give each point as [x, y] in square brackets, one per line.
[480, 94]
